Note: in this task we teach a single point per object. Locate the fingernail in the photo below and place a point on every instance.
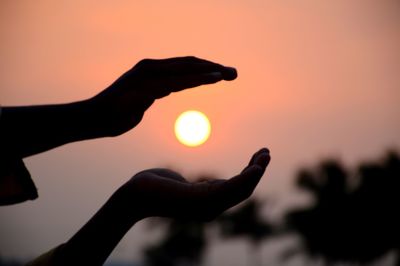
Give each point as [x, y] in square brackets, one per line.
[265, 150]
[216, 75]
[229, 73]
[262, 159]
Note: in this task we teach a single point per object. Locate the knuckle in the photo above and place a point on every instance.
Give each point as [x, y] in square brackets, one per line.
[144, 63]
[190, 58]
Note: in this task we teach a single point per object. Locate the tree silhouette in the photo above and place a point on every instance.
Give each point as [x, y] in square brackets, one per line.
[246, 221]
[9, 262]
[355, 218]
[354, 224]
[183, 245]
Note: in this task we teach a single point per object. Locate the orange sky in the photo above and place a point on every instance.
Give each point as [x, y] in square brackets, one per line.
[316, 79]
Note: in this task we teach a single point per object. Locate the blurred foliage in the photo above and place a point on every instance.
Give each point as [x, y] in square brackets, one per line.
[358, 223]
[4, 262]
[245, 221]
[182, 245]
[185, 241]
[354, 218]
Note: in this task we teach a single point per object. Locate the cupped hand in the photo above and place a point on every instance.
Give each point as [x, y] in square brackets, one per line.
[158, 192]
[162, 192]
[121, 106]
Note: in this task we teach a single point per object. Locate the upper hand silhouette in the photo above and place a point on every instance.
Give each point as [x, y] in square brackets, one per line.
[162, 192]
[30, 130]
[121, 106]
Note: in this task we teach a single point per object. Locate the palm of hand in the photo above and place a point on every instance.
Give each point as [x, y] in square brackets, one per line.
[162, 192]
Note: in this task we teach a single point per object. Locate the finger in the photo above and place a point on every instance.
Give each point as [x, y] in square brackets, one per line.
[229, 73]
[175, 63]
[240, 187]
[260, 157]
[179, 68]
[193, 80]
[170, 60]
[250, 176]
[255, 156]
[183, 66]
[164, 86]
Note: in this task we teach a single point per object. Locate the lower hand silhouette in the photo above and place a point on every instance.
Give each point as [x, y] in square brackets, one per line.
[158, 192]
[162, 192]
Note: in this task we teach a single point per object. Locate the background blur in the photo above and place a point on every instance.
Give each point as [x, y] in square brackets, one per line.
[317, 80]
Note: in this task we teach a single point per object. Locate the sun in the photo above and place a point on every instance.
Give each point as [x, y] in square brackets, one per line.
[192, 128]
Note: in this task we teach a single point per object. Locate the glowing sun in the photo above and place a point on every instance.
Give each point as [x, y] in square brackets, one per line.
[192, 128]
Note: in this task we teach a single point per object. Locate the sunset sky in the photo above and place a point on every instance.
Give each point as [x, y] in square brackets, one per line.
[316, 79]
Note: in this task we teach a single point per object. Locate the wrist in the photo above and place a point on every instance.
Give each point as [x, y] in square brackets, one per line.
[83, 120]
[117, 113]
[126, 206]
[94, 118]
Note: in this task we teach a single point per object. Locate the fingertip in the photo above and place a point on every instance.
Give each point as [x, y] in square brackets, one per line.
[229, 73]
[263, 160]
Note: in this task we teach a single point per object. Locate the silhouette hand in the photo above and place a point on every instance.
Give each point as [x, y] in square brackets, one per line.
[158, 192]
[161, 192]
[121, 106]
